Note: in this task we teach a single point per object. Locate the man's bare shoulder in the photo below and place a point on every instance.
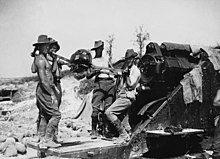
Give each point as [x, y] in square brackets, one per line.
[40, 61]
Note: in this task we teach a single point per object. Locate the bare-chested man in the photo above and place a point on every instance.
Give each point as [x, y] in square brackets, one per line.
[46, 95]
[55, 62]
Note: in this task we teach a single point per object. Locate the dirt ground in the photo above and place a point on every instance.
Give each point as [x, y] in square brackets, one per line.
[24, 114]
[31, 154]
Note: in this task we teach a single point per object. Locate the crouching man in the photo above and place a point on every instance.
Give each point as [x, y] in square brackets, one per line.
[130, 78]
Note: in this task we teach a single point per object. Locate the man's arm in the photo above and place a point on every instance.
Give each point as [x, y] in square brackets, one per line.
[133, 78]
[33, 67]
[58, 61]
[54, 65]
[91, 73]
[42, 76]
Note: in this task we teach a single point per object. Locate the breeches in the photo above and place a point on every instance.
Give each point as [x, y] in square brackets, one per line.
[58, 95]
[45, 105]
[119, 107]
[104, 93]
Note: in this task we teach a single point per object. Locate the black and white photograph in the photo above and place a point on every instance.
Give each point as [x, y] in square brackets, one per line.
[110, 79]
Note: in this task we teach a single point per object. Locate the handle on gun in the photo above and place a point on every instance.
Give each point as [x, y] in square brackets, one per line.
[112, 70]
[61, 57]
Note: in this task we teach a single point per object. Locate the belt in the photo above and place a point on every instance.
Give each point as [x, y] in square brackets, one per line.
[104, 79]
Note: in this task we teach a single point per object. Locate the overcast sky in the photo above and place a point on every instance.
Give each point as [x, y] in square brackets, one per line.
[77, 24]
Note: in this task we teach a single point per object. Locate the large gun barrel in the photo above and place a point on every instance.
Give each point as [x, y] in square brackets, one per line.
[77, 64]
[52, 54]
[111, 70]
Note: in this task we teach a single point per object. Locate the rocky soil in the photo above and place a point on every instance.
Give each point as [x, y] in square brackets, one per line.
[20, 126]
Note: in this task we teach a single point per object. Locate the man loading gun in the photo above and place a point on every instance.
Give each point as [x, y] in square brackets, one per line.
[126, 96]
[104, 92]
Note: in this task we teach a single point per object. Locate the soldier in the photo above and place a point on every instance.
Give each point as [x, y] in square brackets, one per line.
[216, 104]
[46, 92]
[104, 92]
[56, 66]
[56, 71]
[130, 78]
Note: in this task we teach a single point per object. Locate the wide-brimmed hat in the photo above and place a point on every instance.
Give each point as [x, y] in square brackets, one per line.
[42, 39]
[97, 44]
[54, 42]
[130, 53]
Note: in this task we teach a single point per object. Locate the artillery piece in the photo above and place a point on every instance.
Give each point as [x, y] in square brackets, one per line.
[159, 103]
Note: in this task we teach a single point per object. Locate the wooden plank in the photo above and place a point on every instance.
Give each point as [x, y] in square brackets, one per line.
[85, 147]
[5, 98]
[105, 152]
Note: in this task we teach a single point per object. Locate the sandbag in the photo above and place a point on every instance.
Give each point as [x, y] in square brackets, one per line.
[25, 141]
[3, 138]
[20, 137]
[11, 151]
[1, 146]
[13, 135]
[10, 141]
[28, 133]
[20, 148]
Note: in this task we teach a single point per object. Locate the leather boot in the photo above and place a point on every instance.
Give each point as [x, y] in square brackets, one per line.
[41, 133]
[50, 132]
[38, 124]
[94, 134]
[123, 135]
[111, 130]
[55, 137]
[41, 130]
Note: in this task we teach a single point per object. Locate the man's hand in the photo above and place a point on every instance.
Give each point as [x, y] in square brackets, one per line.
[54, 99]
[117, 73]
[105, 71]
[32, 54]
[57, 90]
[97, 71]
[126, 71]
[53, 55]
[68, 64]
